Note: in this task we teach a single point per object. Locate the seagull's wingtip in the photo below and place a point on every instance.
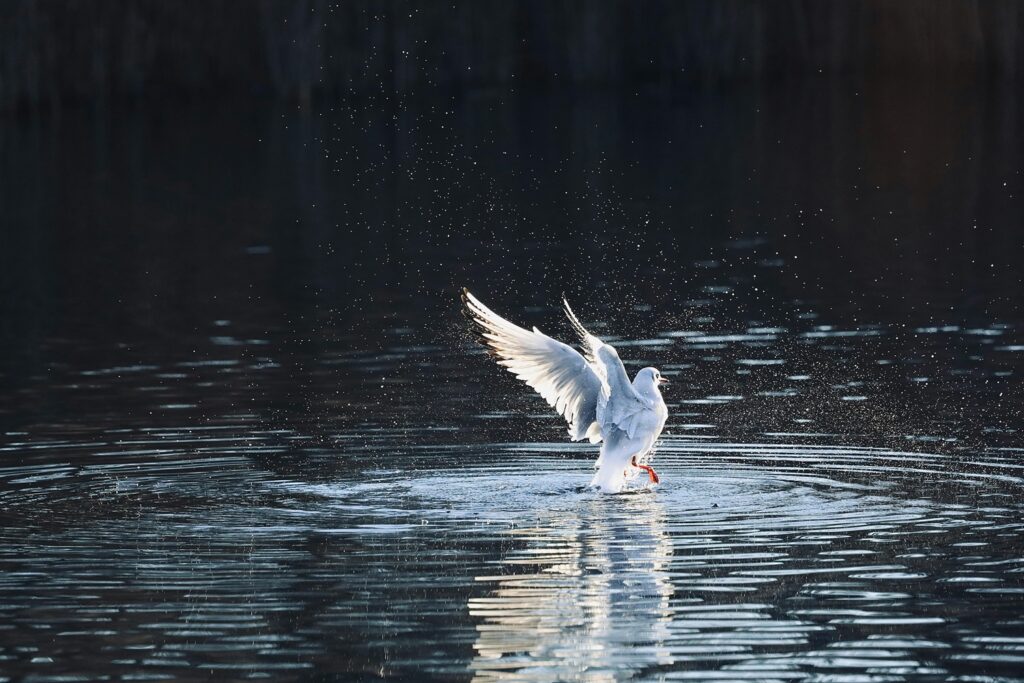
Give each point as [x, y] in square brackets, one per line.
[467, 305]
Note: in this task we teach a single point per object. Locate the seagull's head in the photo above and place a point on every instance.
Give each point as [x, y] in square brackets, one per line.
[650, 377]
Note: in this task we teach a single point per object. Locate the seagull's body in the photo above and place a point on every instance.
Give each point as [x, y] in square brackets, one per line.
[593, 392]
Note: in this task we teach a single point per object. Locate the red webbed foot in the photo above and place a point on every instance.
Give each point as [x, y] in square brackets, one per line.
[647, 468]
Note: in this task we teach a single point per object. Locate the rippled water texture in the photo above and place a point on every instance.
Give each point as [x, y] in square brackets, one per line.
[246, 435]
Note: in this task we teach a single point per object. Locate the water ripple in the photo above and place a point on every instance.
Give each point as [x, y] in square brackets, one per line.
[224, 550]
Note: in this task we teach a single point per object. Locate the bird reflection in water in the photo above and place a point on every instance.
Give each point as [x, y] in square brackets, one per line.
[595, 605]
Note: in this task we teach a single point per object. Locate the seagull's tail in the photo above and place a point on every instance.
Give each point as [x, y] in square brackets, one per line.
[616, 453]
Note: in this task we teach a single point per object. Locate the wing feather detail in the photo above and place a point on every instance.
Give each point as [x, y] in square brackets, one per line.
[555, 370]
[619, 404]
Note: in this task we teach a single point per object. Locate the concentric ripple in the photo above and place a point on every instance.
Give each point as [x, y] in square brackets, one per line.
[493, 561]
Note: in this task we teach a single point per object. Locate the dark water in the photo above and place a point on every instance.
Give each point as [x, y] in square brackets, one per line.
[245, 434]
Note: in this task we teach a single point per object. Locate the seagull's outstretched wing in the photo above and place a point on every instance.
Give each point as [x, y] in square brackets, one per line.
[619, 404]
[557, 371]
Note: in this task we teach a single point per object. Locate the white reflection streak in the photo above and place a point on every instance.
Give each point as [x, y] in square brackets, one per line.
[597, 604]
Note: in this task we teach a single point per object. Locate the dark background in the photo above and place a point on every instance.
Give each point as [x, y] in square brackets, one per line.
[317, 176]
[55, 52]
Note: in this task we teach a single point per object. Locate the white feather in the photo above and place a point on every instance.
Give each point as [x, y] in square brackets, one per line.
[592, 393]
[557, 371]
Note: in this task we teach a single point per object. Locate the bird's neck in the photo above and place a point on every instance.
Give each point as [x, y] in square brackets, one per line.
[648, 390]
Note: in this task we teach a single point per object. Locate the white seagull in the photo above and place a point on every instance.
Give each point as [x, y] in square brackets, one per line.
[593, 393]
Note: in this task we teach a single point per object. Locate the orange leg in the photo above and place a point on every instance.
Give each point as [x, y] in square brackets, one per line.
[650, 471]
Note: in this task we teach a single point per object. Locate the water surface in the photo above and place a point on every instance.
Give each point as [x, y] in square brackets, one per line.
[246, 434]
